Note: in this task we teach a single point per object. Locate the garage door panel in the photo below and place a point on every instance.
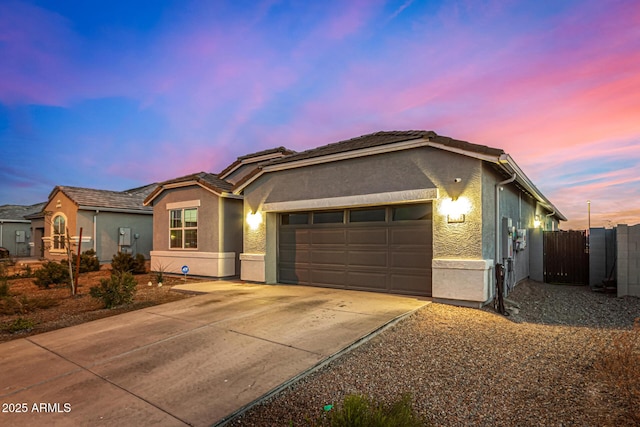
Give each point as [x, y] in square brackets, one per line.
[367, 258]
[410, 284]
[329, 257]
[293, 236]
[291, 274]
[290, 255]
[367, 280]
[332, 278]
[328, 237]
[392, 256]
[367, 236]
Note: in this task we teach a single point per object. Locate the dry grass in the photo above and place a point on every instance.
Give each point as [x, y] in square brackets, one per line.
[619, 369]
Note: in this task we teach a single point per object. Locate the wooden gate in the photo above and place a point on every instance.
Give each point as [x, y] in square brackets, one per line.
[566, 257]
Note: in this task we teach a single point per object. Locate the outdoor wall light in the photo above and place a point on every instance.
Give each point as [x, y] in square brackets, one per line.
[537, 222]
[254, 220]
[455, 209]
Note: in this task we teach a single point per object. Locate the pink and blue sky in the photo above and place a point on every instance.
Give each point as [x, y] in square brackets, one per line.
[118, 94]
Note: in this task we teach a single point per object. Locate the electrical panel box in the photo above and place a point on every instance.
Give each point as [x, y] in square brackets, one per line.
[21, 237]
[507, 238]
[521, 239]
[124, 236]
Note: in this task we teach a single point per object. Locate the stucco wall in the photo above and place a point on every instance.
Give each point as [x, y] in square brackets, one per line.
[515, 204]
[231, 224]
[58, 204]
[398, 171]
[208, 214]
[108, 227]
[8, 238]
[219, 234]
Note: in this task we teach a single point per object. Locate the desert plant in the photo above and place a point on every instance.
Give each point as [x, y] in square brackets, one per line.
[88, 261]
[361, 411]
[51, 273]
[23, 304]
[123, 262]
[19, 325]
[159, 272]
[119, 289]
[619, 368]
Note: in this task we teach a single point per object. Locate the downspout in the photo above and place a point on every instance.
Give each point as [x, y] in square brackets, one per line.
[547, 216]
[95, 230]
[497, 233]
[1, 227]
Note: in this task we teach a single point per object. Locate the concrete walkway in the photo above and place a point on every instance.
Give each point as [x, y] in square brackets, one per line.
[190, 362]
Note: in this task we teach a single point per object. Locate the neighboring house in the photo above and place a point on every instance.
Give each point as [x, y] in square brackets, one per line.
[111, 221]
[16, 234]
[402, 212]
[197, 220]
[407, 212]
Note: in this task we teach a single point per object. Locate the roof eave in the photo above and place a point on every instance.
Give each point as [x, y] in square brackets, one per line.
[510, 166]
[198, 182]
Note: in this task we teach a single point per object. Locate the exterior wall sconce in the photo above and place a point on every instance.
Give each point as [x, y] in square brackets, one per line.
[455, 209]
[536, 222]
[254, 219]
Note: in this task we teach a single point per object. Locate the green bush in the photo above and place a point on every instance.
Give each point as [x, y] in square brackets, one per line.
[19, 325]
[361, 411]
[88, 262]
[51, 273]
[119, 289]
[126, 263]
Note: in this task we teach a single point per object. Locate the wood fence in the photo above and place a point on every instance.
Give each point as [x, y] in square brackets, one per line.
[566, 257]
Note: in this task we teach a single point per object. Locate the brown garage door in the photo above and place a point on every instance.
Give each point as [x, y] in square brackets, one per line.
[384, 249]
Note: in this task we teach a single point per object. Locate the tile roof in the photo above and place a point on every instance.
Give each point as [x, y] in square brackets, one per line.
[383, 138]
[18, 212]
[206, 179]
[129, 200]
[283, 150]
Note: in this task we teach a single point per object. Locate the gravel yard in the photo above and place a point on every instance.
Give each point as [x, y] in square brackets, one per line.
[474, 367]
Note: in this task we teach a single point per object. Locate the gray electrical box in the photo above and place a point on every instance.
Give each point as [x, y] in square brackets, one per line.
[124, 236]
[20, 237]
[507, 238]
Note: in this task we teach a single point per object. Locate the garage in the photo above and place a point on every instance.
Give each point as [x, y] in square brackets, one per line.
[382, 248]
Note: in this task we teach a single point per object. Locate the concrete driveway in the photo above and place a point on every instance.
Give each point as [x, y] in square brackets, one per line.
[190, 362]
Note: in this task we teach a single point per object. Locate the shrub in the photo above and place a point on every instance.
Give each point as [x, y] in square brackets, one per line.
[22, 305]
[358, 410]
[619, 368]
[51, 273]
[117, 290]
[126, 263]
[19, 325]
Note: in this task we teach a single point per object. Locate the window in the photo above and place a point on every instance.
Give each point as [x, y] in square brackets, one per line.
[331, 217]
[367, 215]
[59, 232]
[295, 218]
[412, 212]
[183, 228]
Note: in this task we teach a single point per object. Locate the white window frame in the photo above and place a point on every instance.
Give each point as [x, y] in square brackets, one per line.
[182, 228]
[61, 242]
